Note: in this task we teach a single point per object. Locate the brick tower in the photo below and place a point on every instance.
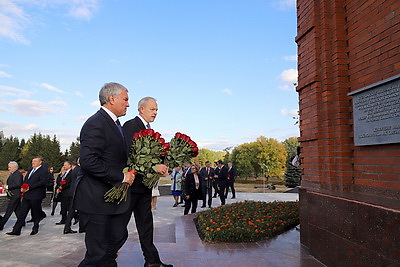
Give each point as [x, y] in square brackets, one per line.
[349, 97]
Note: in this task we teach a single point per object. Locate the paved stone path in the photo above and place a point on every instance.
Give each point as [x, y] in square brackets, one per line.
[175, 237]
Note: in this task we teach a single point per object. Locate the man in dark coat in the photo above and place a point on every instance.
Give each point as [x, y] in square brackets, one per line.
[65, 187]
[231, 181]
[222, 180]
[141, 195]
[33, 194]
[206, 179]
[103, 157]
[14, 183]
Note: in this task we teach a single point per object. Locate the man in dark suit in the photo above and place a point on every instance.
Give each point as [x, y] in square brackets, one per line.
[222, 180]
[36, 179]
[215, 179]
[141, 195]
[103, 157]
[231, 181]
[14, 183]
[71, 210]
[65, 189]
[206, 180]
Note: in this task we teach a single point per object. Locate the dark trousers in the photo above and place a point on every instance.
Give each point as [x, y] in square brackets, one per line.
[222, 187]
[141, 208]
[71, 214]
[207, 191]
[35, 206]
[216, 186]
[190, 203]
[65, 204]
[105, 235]
[231, 185]
[12, 206]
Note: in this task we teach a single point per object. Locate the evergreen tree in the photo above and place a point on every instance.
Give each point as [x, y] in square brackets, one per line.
[74, 150]
[42, 145]
[9, 151]
[292, 175]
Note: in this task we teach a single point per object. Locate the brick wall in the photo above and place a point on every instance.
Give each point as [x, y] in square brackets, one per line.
[344, 46]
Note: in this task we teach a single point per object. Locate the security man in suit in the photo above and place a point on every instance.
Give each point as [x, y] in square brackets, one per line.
[36, 179]
[103, 157]
[206, 179]
[141, 195]
[14, 183]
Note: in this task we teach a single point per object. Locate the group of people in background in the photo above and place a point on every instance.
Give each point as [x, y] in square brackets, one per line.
[193, 183]
[26, 194]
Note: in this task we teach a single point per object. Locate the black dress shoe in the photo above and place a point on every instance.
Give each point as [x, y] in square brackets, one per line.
[34, 232]
[81, 231]
[13, 233]
[233, 197]
[203, 206]
[157, 265]
[59, 223]
[31, 220]
[70, 232]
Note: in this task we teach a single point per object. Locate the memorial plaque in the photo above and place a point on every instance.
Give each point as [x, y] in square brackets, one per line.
[376, 113]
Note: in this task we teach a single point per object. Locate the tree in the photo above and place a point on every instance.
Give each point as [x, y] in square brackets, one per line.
[74, 150]
[9, 151]
[44, 146]
[293, 173]
[207, 154]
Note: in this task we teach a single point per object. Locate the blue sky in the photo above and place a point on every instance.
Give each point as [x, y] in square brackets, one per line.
[221, 70]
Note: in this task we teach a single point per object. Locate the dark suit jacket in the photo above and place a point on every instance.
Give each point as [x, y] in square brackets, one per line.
[14, 182]
[74, 177]
[203, 175]
[37, 183]
[223, 173]
[190, 187]
[103, 156]
[232, 174]
[130, 127]
[66, 189]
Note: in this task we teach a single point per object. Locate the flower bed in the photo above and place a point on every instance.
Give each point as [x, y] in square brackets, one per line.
[247, 221]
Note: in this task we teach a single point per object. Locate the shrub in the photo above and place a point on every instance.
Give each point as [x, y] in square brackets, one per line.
[247, 221]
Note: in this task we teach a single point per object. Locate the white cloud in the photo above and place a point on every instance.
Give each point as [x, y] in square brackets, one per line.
[14, 92]
[32, 108]
[52, 88]
[4, 74]
[81, 118]
[283, 4]
[290, 58]
[77, 93]
[95, 103]
[227, 91]
[14, 18]
[289, 76]
[83, 9]
[292, 113]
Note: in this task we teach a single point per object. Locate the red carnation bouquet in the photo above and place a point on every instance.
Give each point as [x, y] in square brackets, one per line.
[182, 149]
[148, 149]
[25, 187]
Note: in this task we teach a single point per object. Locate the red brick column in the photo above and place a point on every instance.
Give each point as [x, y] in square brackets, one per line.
[344, 46]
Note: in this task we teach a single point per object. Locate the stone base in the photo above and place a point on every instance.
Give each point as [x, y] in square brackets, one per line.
[345, 232]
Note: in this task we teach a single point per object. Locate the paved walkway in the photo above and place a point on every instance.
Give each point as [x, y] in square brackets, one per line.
[175, 236]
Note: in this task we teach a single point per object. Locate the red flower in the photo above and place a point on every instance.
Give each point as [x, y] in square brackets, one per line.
[178, 135]
[161, 140]
[167, 146]
[25, 186]
[136, 136]
[150, 132]
[195, 151]
[22, 172]
[192, 143]
[156, 135]
[63, 182]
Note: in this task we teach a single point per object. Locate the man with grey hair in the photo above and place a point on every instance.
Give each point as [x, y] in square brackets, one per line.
[14, 183]
[141, 195]
[103, 156]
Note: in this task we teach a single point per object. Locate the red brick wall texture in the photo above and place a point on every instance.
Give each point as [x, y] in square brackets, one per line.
[344, 46]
